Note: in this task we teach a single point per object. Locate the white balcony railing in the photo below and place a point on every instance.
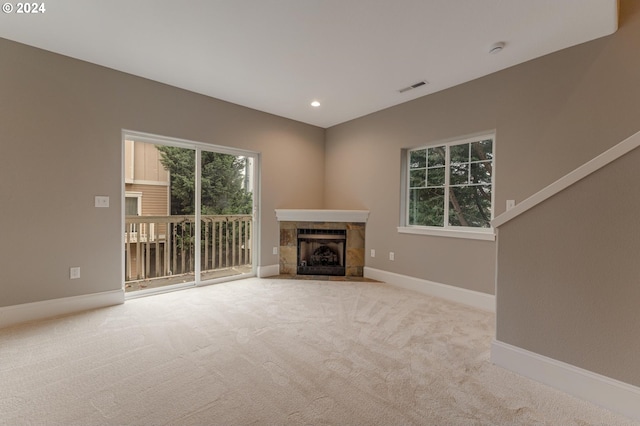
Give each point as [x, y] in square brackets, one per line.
[163, 246]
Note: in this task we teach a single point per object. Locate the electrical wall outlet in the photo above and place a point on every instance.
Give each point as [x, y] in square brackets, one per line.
[74, 273]
[373, 252]
[511, 204]
[392, 256]
[275, 250]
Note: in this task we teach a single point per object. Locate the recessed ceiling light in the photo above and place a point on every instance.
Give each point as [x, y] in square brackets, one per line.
[315, 104]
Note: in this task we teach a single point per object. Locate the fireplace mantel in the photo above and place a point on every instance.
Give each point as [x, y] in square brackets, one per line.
[323, 215]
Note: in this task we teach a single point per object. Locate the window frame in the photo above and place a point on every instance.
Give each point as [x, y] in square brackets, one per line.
[137, 195]
[446, 230]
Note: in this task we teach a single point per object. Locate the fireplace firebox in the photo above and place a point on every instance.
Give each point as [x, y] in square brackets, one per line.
[321, 252]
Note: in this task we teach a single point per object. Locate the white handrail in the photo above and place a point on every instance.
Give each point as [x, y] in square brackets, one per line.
[612, 154]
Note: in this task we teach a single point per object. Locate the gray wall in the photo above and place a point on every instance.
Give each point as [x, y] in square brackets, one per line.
[551, 115]
[60, 140]
[569, 276]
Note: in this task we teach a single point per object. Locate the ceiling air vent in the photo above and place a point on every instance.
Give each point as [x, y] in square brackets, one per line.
[413, 86]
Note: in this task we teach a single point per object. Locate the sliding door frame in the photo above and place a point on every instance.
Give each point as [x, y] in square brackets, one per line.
[198, 148]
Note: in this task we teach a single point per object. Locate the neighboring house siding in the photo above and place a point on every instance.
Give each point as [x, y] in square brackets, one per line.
[142, 163]
[145, 175]
[155, 198]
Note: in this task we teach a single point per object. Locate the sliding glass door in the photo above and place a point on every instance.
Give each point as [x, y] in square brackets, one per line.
[189, 213]
[226, 198]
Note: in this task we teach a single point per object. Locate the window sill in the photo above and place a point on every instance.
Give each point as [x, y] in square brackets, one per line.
[486, 235]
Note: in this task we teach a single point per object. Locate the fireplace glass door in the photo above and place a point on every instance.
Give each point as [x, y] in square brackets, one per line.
[321, 252]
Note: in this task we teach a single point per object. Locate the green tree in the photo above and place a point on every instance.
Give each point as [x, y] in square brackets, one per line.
[470, 200]
[222, 182]
[469, 185]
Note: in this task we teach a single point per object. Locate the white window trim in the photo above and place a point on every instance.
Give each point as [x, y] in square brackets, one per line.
[472, 233]
[138, 195]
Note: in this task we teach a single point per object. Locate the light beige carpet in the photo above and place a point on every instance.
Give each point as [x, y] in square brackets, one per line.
[273, 352]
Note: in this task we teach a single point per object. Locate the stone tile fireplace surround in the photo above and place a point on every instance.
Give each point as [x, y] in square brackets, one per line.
[351, 221]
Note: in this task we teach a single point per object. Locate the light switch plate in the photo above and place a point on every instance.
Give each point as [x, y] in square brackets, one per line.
[102, 201]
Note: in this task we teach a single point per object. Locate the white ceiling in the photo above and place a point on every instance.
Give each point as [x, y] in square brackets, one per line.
[278, 55]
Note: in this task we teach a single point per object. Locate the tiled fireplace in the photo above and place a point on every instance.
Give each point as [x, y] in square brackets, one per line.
[322, 242]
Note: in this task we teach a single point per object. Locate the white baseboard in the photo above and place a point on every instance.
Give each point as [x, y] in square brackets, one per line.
[16, 314]
[601, 390]
[268, 271]
[476, 299]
